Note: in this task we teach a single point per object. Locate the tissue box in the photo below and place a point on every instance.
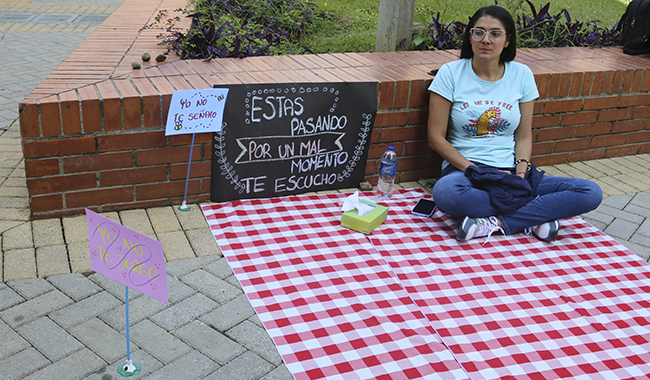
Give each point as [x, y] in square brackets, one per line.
[366, 223]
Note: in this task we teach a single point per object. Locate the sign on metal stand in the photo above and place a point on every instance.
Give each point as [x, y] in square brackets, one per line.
[131, 259]
[195, 111]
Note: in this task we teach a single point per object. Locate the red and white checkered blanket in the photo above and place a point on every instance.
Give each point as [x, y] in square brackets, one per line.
[410, 302]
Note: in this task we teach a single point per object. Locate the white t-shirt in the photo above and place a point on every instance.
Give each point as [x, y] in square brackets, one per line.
[484, 115]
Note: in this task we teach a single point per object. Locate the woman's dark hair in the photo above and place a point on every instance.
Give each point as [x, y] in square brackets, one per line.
[501, 14]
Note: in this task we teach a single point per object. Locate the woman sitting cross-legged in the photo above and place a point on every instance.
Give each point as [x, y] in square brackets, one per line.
[480, 120]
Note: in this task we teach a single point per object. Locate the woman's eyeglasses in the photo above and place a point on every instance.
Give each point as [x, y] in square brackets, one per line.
[494, 35]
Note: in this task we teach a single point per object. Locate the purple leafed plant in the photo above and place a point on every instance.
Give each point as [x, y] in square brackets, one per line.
[540, 29]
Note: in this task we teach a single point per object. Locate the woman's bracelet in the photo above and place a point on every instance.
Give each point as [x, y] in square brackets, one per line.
[519, 161]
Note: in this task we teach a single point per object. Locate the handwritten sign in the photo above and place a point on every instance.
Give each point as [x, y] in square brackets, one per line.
[126, 256]
[196, 111]
[283, 139]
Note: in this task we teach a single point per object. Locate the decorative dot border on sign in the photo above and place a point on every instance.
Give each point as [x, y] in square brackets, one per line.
[227, 170]
[293, 90]
[359, 148]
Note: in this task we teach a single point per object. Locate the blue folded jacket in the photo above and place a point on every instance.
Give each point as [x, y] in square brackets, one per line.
[507, 192]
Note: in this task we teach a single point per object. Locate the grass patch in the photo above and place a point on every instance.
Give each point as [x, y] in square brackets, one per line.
[353, 25]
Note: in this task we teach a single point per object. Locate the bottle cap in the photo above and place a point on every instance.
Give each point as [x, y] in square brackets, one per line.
[390, 147]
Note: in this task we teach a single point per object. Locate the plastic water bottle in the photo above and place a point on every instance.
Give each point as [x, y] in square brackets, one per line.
[387, 171]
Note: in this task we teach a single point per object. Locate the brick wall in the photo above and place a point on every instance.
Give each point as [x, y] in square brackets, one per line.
[99, 142]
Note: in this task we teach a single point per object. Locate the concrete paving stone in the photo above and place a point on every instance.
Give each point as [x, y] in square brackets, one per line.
[103, 340]
[157, 342]
[85, 309]
[246, 366]
[163, 219]
[638, 210]
[115, 288]
[10, 343]
[21, 364]
[211, 285]
[279, 373]
[148, 365]
[613, 165]
[79, 256]
[188, 367]
[138, 220]
[8, 224]
[15, 182]
[18, 237]
[617, 184]
[644, 228]
[183, 312]
[209, 342]
[219, 268]
[203, 243]
[9, 297]
[175, 245]
[76, 366]
[601, 167]
[180, 268]
[637, 181]
[49, 338]
[22, 215]
[590, 171]
[256, 320]
[641, 199]
[52, 261]
[15, 202]
[75, 285]
[232, 280]
[630, 165]
[230, 314]
[75, 229]
[192, 219]
[640, 240]
[598, 224]
[621, 229]
[573, 171]
[35, 308]
[13, 192]
[4, 173]
[619, 214]
[177, 291]
[31, 287]
[618, 201]
[139, 309]
[256, 339]
[599, 216]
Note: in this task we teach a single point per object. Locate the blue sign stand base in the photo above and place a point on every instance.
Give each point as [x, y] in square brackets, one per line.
[184, 207]
[129, 369]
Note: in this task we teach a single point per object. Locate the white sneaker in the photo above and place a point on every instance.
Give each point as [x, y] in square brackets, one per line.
[545, 232]
[477, 227]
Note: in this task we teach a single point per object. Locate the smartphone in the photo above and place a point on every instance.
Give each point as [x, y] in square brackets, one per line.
[424, 207]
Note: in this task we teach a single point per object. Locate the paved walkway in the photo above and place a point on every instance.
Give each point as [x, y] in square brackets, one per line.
[35, 36]
[58, 320]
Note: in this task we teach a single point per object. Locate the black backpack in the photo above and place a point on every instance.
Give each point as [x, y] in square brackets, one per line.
[635, 28]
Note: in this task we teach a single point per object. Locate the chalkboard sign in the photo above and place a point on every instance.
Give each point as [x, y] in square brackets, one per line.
[284, 139]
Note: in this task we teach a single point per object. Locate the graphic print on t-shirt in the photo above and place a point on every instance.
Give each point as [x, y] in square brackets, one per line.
[486, 124]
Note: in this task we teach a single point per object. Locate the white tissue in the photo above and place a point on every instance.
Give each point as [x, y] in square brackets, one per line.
[352, 202]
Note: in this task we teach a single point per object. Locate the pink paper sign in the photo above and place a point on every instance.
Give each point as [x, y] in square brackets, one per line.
[126, 256]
